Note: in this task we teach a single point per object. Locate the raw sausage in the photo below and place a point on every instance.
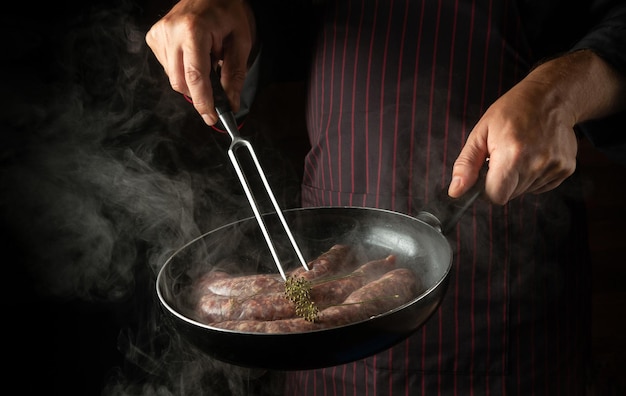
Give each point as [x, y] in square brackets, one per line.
[333, 292]
[393, 289]
[343, 294]
[246, 286]
[337, 259]
[255, 303]
[272, 306]
[294, 325]
[222, 297]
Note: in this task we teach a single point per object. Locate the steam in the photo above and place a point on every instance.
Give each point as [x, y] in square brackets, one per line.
[81, 179]
[105, 172]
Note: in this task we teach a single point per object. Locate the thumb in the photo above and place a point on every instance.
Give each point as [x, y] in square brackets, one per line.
[467, 165]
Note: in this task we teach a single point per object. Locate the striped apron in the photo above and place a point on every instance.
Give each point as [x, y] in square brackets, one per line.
[395, 87]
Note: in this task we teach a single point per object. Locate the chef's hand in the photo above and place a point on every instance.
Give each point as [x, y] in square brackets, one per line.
[528, 133]
[193, 37]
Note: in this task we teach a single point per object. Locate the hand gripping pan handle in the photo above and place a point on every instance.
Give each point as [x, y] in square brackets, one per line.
[444, 212]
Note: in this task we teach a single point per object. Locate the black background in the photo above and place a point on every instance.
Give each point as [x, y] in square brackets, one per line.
[71, 344]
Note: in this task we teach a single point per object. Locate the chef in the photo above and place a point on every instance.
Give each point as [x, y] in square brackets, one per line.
[407, 99]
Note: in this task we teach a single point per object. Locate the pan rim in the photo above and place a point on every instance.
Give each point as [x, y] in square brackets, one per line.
[424, 294]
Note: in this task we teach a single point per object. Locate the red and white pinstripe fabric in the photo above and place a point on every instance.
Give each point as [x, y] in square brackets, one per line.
[394, 90]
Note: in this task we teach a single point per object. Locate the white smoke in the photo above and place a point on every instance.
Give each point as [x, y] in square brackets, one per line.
[105, 172]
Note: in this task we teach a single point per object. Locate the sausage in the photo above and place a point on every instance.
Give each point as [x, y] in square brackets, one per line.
[215, 308]
[201, 286]
[247, 285]
[258, 303]
[393, 289]
[203, 283]
[259, 297]
[294, 325]
[335, 260]
[333, 292]
[330, 262]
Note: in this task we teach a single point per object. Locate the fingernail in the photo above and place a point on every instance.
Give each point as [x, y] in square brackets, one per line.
[207, 119]
[455, 185]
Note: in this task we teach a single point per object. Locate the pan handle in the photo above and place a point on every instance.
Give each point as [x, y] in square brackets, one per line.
[445, 212]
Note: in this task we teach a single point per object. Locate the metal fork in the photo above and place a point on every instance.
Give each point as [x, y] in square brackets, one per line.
[229, 122]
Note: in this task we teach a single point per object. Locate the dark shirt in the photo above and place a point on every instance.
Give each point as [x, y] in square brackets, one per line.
[550, 28]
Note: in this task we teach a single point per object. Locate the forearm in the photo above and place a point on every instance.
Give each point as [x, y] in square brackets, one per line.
[585, 85]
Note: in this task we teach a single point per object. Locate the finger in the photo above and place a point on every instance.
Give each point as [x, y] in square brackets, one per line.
[545, 177]
[197, 65]
[503, 180]
[152, 40]
[176, 73]
[233, 72]
[548, 182]
[467, 165]
[172, 65]
[546, 187]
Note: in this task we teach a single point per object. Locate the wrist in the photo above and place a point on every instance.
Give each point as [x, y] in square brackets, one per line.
[582, 84]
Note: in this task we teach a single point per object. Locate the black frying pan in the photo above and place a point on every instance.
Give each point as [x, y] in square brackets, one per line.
[418, 243]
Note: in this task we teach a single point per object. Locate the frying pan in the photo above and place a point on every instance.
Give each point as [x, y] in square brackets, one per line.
[419, 244]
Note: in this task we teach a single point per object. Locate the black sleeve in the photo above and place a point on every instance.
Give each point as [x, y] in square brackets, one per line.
[608, 40]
